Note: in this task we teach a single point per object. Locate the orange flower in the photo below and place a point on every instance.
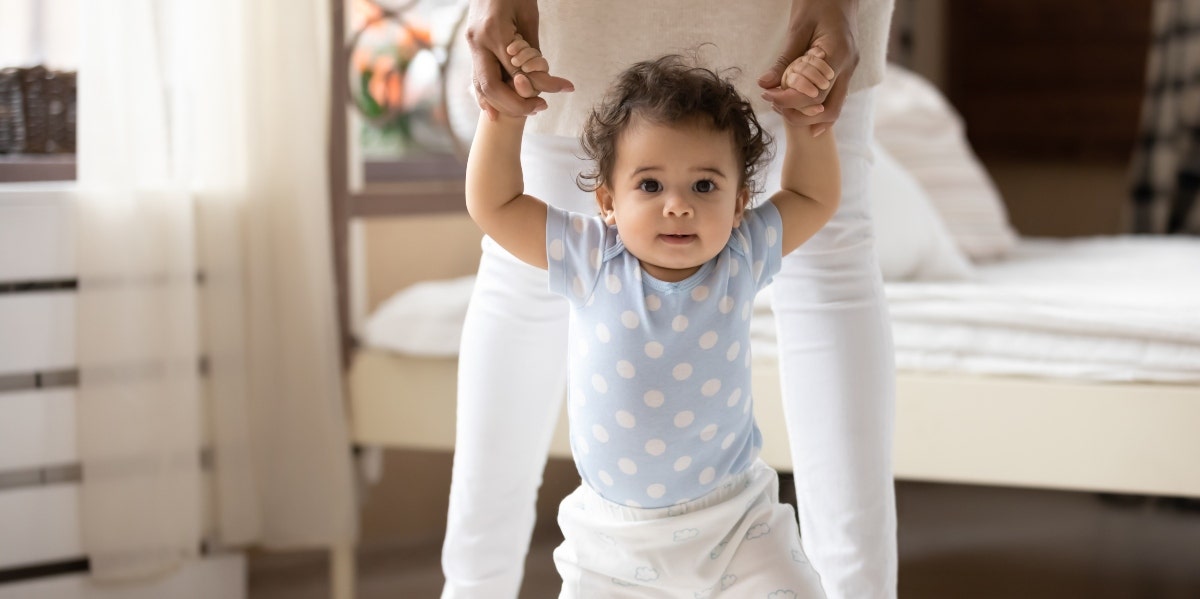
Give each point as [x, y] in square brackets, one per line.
[404, 40]
[383, 64]
[361, 59]
[364, 11]
[395, 90]
[378, 89]
[387, 89]
[420, 32]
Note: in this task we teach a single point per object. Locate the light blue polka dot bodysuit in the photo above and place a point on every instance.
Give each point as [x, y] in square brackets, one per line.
[659, 399]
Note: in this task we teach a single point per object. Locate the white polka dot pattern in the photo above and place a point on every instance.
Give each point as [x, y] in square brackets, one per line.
[654, 398]
[728, 441]
[626, 369]
[625, 419]
[599, 383]
[630, 319]
[613, 284]
[734, 398]
[680, 324]
[657, 369]
[726, 304]
[682, 371]
[684, 419]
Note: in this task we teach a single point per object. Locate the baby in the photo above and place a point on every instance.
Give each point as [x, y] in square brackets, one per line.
[674, 500]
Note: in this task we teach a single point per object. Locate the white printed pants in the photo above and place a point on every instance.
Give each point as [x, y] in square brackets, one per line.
[738, 541]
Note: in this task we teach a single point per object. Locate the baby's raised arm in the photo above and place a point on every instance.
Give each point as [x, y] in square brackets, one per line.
[811, 185]
[495, 188]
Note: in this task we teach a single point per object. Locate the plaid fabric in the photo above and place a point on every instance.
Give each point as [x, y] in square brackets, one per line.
[1166, 162]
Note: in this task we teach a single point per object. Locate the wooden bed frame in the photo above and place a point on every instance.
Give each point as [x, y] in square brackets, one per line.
[995, 430]
[1006, 431]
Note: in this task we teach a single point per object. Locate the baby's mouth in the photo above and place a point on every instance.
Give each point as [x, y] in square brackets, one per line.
[676, 237]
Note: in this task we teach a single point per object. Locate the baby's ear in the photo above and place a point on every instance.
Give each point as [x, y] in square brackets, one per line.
[604, 199]
[742, 202]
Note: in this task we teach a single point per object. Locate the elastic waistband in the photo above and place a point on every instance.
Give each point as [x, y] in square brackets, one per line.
[758, 476]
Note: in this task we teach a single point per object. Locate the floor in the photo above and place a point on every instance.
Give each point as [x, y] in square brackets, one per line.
[954, 541]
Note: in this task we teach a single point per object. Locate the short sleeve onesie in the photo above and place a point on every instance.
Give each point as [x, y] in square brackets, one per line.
[660, 405]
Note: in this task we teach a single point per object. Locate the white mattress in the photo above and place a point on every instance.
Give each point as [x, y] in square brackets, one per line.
[1096, 309]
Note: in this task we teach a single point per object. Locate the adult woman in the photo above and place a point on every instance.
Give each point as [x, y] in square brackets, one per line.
[835, 346]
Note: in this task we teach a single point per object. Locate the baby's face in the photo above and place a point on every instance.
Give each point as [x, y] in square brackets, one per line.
[674, 195]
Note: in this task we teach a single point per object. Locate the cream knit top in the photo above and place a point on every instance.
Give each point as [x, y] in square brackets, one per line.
[613, 34]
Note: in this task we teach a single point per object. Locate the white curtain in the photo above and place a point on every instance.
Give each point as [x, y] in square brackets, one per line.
[202, 157]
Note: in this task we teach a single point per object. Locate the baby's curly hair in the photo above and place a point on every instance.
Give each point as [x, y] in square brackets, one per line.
[670, 90]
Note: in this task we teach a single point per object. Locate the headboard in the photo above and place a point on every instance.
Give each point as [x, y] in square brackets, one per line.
[391, 253]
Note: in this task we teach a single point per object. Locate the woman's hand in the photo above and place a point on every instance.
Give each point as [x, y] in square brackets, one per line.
[827, 26]
[492, 26]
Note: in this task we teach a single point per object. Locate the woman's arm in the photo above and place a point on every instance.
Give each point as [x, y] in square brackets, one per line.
[811, 188]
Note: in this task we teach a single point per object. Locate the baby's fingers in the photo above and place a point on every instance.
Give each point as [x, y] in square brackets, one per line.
[809, 76]
[524, 86]
[816, 60]
[517, 46]
[530, 60]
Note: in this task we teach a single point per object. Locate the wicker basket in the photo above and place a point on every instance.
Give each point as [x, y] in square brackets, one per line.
[37, 111]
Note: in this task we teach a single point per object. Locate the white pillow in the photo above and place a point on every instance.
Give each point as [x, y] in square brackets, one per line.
[918, 126]
[911, 240]
[425, 319]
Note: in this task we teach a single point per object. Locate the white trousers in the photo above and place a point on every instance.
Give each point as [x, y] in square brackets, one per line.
[835, 355]
[736, 541]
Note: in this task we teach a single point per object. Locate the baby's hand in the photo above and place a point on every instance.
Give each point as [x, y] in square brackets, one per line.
[809, 75]
[526, 59]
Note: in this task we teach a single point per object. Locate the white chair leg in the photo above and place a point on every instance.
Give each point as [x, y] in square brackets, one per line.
[342, 571]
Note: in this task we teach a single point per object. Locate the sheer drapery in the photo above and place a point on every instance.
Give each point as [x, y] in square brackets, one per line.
[202, 157]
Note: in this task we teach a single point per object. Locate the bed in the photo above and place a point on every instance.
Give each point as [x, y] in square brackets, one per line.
[1070, 364]
[1055, 364]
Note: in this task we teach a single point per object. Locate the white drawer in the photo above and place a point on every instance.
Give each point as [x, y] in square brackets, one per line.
[37, 429]
[37, 332]
[37, 234]
[39, 524]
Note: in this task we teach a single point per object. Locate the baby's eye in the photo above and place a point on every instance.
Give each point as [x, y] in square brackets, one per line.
[650, 186]
[704, 186]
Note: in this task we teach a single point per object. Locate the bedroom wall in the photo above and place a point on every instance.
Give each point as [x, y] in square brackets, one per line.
[1051, 94]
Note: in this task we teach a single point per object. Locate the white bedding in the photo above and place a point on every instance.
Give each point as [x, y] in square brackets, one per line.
[1099, 309]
